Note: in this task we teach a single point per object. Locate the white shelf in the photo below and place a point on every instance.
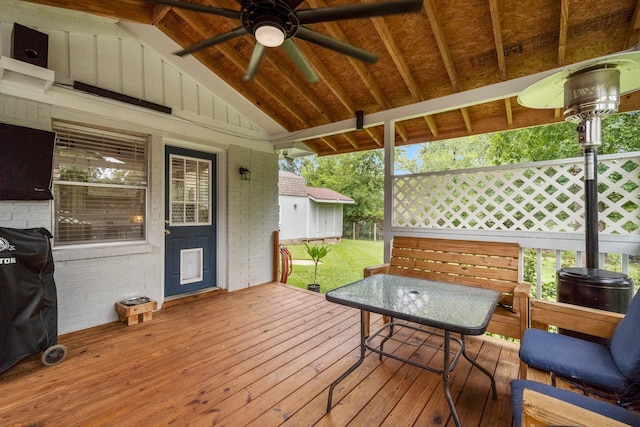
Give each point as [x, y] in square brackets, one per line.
[24, 75]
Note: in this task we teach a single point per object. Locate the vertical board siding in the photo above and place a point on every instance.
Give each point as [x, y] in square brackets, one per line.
[108, 63]
[172, 87]
[153, 75]
[190, 96]
[132, 69]
[82, 61]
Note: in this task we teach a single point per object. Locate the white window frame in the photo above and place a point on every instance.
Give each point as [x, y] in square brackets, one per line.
[83, 228]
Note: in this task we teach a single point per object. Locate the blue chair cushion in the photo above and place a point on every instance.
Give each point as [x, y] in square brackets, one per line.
[573, 358]
[603, 408]
[625, 343]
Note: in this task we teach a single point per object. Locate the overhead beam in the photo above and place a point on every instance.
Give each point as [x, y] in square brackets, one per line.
[497, 91]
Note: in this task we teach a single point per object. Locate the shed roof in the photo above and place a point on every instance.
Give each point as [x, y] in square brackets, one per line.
[290, 184]
[327, 195]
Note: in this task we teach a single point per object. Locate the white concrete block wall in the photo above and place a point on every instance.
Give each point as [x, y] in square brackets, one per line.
[252, 217]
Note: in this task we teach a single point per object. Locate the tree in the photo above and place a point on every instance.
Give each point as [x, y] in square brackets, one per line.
[356, 175]
[535, 144]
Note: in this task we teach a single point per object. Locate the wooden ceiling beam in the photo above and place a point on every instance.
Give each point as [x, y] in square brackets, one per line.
[445, 53]
[502, 66]
[158, 13]
[433, 127]
[509, 110]
[330, 144]
[562, 42]
[351, 140]
[632, 31]
[497, 36]
[403, 68]
[303, 89]
[562, 32]
[443, 47]
[374, 89]
[467, 119]
[334, 86]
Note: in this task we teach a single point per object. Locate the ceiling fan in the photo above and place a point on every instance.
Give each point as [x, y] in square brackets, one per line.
[275, 23]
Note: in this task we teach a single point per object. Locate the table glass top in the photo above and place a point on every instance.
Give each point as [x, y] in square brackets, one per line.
[463, 309]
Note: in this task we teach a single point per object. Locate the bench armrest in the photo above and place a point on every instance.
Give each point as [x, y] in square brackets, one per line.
[522, 290]
[576, 318]
[376, 269]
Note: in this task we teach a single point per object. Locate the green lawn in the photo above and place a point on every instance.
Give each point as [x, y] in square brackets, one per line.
[343, 264]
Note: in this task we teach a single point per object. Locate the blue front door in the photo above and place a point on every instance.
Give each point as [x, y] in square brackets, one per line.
[190, 222]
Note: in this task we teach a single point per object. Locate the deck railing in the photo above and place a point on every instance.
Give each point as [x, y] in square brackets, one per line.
[539, 205]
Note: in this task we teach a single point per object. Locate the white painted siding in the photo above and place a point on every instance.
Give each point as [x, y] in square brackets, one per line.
[294, 211]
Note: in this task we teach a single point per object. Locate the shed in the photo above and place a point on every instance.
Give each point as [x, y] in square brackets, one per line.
[309, 213]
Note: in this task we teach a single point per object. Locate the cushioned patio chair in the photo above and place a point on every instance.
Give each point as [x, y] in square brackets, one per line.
[548, 405]
[611, 371]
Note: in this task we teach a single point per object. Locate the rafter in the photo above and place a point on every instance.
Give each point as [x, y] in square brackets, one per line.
[330, 144]
[497, 36]
[562, 32]
[327, 77]
[445, 53]
[158, 13]
[302, 87]
[509, 110]
[562, 42]
[401, 64]
[351, 140]
[433, 127]
[374, 89]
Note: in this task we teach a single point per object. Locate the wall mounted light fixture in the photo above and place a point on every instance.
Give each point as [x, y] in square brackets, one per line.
[245, 174]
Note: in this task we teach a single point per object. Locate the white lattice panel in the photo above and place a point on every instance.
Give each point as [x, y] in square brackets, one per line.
[545, 196]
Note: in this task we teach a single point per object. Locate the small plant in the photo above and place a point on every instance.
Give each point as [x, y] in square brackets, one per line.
[316, 253]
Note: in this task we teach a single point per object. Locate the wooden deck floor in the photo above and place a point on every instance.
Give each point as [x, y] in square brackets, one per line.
[262, 357]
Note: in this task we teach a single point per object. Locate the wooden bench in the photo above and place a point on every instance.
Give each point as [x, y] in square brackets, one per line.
[492, 265]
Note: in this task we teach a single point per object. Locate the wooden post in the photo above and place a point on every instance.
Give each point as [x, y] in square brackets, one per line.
[276, 254]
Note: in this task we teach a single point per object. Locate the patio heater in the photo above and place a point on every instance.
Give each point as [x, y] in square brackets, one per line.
[590, 91]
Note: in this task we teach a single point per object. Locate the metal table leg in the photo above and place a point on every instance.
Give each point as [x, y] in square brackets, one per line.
[475, 363]
[445, 378]
[355, 365]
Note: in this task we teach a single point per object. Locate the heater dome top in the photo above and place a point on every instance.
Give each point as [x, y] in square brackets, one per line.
[549, 92]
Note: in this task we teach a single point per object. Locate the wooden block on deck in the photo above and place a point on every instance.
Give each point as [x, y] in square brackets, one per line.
[132, 314]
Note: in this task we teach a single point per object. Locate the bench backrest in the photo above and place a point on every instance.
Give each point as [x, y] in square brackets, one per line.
[492, 265]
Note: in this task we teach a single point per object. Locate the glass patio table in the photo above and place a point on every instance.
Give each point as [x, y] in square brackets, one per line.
[452, 308]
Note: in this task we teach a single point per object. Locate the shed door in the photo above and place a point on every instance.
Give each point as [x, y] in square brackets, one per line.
[190, 223]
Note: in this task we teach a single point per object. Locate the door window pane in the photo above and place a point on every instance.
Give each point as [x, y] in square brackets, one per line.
[190, 191]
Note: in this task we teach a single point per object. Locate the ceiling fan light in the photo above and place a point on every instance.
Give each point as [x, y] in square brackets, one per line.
[269, 36]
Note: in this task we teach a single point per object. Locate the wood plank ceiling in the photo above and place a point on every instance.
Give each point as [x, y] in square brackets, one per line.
[450, 46]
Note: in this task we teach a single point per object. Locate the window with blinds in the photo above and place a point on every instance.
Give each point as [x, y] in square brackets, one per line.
[99, 185]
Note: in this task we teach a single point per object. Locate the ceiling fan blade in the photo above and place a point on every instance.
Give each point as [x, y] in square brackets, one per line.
[364, 10]
[254, 62]
[301, 62]
[240, 31]
[228, 13]
[336, 45]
